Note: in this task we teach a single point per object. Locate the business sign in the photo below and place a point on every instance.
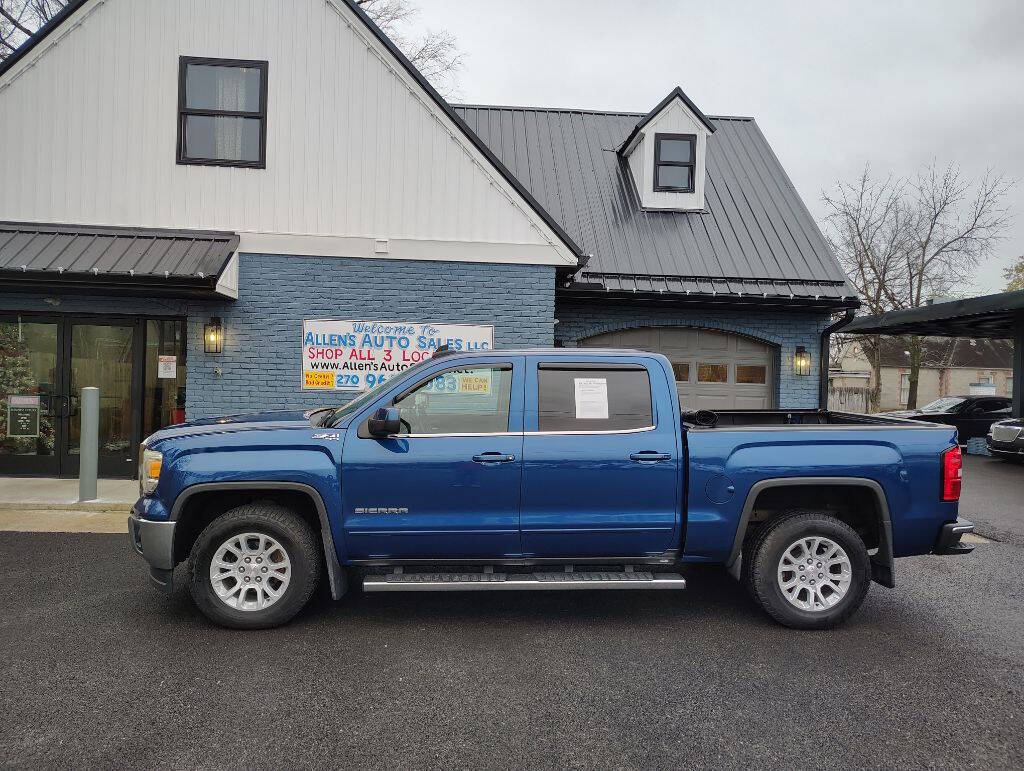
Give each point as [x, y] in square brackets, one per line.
[357, 355]
[23, 416]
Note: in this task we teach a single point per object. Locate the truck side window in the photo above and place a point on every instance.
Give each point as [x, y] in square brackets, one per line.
[459, 401]
[584, 399]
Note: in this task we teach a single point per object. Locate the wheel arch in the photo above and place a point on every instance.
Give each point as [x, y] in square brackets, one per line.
[199, 504]
[881, 562]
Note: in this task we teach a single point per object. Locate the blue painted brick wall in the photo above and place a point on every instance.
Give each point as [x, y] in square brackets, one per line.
[261, 362]
[787, 330]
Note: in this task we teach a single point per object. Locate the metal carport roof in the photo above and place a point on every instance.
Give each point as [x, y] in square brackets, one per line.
[998, 316]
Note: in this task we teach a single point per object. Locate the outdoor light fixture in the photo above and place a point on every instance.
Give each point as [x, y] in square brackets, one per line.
[213, 336]
[802, 361]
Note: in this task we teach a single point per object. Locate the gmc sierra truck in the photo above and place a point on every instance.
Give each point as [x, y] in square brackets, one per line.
[536, 470]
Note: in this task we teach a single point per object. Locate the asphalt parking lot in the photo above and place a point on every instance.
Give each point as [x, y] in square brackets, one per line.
[100, 670]
[993, 497]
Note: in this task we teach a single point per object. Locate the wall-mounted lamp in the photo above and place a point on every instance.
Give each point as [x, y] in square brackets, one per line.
[802, 361]
[213, 336]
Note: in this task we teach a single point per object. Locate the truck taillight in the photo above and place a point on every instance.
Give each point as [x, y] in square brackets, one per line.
[952, 474]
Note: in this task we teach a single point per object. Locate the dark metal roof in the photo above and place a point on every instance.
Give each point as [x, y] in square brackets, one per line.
[755, 232]
[675, 93]
[37, 256]
[991, 316]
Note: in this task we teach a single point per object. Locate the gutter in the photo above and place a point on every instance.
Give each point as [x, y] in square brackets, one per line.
[823, 361]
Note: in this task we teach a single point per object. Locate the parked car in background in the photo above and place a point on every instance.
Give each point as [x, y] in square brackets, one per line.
[972, 416]
[1006, 440]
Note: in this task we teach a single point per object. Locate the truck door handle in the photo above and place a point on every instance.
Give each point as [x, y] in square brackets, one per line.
[493, 457]
[649, 456]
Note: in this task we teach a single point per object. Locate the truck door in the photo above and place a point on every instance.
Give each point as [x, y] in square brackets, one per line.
[446, 486]
[601, 466]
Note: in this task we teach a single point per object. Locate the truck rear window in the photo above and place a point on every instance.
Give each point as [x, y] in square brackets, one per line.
[588, 399]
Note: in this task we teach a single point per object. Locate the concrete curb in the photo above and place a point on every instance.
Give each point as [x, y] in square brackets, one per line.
[101, 506]
[31, 520]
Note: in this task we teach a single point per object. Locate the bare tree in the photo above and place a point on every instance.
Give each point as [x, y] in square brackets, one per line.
[906, 241]
[867, 229]
[19, 19]
[435, 53]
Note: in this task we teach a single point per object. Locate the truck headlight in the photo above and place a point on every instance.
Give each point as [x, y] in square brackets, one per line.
[150, 462]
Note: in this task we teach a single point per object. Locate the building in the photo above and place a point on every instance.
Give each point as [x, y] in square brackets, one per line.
[221, 207]
[951, 367]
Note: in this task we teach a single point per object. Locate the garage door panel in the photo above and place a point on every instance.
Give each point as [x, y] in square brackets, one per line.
[745, 346]
[712, 402]
[677, 340]
[708, 340]
[753, 402]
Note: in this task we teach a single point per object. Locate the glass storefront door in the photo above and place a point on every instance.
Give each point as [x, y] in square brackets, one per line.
[102, 354]
[45, 360]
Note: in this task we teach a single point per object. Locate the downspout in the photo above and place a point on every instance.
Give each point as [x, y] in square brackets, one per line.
[824, 360]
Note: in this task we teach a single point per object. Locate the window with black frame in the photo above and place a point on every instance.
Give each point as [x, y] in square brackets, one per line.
[222, 112]
[674, 162]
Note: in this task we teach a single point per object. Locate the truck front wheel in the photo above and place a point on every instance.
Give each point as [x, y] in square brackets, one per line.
[808, 570]
[254, 567]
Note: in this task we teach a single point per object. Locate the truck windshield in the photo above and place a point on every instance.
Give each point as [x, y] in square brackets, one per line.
[331, 416]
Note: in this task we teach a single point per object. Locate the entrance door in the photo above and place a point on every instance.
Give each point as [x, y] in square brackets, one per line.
[31, 395]
[45, 362]
[102, 353]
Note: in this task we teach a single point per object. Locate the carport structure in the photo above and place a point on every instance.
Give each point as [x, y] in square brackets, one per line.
[994, 316]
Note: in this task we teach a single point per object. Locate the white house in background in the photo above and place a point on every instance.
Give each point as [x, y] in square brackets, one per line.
[952, 367]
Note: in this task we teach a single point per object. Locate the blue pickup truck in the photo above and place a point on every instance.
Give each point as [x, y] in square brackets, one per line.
[541, 469]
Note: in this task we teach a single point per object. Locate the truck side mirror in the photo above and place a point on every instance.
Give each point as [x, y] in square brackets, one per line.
[385, 421]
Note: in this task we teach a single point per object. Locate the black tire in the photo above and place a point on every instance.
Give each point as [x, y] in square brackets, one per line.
[290, 531]
[766, 551]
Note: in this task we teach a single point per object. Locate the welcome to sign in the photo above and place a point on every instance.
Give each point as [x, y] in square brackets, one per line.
[356, 355]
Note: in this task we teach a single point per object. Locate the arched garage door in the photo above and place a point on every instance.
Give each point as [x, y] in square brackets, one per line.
[714, 370]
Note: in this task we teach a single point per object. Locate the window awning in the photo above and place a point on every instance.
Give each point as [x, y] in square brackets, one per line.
[41, 257]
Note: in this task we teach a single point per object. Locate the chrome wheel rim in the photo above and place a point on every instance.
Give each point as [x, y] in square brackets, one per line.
[814, 574]
[250, 571]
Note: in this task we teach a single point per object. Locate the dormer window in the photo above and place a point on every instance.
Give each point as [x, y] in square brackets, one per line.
[674, 162]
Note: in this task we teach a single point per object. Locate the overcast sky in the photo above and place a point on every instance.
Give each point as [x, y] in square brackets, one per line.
[832, 84]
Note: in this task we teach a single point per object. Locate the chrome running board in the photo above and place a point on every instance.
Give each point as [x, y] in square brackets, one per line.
[461, 582]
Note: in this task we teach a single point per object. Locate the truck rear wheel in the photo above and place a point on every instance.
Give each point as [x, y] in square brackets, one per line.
[808, 570]
[254, 567]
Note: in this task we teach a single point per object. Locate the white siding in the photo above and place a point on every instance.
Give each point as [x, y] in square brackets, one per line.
[676, 118]
[355, 149]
